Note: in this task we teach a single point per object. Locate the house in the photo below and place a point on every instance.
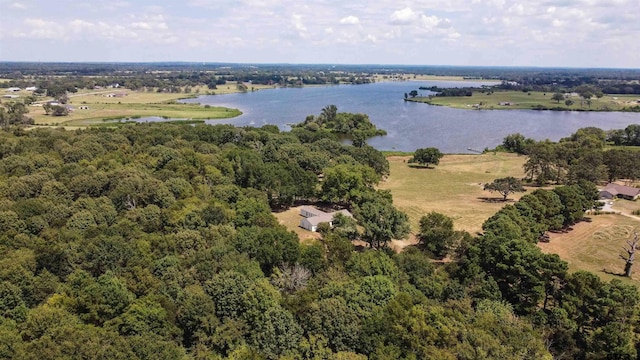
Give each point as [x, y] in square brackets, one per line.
[313, 217]
[613, 190]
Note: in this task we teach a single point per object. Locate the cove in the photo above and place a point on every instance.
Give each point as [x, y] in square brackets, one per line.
[410, 125]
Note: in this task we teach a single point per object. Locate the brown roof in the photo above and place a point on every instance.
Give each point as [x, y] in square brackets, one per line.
[616, 189]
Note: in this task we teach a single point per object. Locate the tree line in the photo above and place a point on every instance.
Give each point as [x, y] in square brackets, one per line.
[584, 155]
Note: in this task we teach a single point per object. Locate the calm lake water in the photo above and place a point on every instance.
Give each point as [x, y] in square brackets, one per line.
[410, 125]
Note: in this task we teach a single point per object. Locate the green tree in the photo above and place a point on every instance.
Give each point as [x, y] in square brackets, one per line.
[426, 156]
[437, 234]
[505, 186]
[517, 143]
[345, 183]
[276, 333]
[557, 97]
[381, 221]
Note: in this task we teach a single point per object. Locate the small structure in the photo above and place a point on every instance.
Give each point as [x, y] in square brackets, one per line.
[9, 96]
[31, 88]
[613, 190]
[313, 217]
[13, 89]
[115, 95]
[505, 103]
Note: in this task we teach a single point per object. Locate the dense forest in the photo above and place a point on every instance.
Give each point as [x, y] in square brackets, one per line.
[158, 241]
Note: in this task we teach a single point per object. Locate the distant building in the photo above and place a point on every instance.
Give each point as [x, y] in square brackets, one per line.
[12, 89]
[505, 103]
[114, 95]
[613, 190]
[31, 88]
[9, 96]
[313, 217]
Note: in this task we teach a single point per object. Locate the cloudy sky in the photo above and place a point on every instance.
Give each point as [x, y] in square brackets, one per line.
[572, 33]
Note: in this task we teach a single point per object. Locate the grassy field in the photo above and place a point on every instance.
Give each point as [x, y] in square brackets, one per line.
[532, 100]
[134, 104]
[453, 188]
[98, 113]
[595, 246]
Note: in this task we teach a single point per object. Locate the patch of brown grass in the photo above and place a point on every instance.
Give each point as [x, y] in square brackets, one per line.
[595, 246]
[453, 188]
[291, 219]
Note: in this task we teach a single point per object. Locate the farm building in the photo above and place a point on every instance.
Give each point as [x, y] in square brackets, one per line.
[313, 217]
[613, 190]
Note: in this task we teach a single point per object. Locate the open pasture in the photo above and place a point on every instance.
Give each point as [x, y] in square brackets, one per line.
[531, 100]
[453, 188]
[596, 245]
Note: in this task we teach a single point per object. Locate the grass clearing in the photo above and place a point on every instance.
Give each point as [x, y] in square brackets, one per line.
[531, 100]
[102, 107]
[99, 113]
[291, 219]
[453, 188]
[595, 246]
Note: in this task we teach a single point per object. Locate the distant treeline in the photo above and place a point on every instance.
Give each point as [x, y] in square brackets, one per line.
[463, 91]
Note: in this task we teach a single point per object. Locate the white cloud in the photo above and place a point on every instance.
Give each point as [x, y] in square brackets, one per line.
[298, 25]
[19, 6]
[42, 29]
[350, 20]
[403, 17]
[208, 30]
[154, 22]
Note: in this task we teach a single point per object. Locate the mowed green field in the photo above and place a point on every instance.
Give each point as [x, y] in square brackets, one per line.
[596, 246]
[98, 113]
[522, 100]
[453, 188]
[135, 104]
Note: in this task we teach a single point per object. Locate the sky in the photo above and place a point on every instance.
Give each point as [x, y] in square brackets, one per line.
[545, 33]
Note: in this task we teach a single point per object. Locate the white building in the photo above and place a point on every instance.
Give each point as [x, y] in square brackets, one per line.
[313, 217]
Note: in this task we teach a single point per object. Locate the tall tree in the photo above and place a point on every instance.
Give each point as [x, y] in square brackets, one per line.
[437, 234]
[381, 221]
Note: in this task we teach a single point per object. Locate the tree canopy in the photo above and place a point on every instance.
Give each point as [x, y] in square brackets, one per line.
[505, 186]
[426, 156]
[158, 241]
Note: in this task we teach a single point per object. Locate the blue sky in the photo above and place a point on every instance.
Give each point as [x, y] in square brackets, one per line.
[572, 33]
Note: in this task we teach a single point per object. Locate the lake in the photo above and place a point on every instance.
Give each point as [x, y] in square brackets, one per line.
[410, 125]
